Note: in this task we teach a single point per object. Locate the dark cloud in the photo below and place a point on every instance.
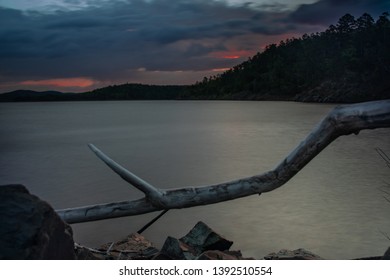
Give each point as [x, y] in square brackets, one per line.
[76, 24]
[326, 12]
[101, 41]
[113, 40]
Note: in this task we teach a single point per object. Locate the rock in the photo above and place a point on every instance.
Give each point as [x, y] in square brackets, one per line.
[30, 228]
[202, 238]
[132, 247]
[176, 249]
[298, 254]
[83, 253]
[370, 258]
[219, 255]
[199, 240]
[386, 256]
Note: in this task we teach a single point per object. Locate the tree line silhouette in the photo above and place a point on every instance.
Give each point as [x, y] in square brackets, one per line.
[352, 56]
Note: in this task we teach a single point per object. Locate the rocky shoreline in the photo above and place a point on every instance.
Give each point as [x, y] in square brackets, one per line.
[200, 243]
[31, 229]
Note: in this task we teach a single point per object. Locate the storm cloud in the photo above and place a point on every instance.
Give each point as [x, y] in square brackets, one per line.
[326, 12]
[138, 41]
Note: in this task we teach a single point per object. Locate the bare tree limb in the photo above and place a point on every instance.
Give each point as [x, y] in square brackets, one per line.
[342, 120]
[154, 194]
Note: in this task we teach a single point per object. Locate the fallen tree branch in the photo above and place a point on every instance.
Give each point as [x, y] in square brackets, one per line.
[342, 120]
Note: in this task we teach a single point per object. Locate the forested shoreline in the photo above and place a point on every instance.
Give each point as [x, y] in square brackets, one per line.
[348, 62]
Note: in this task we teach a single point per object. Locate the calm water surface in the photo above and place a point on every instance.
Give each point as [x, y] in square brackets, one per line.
[333, 207]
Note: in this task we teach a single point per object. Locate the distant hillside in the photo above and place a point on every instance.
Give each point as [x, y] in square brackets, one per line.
[116, 92]
[349, 62]
[30, 95]
[135, 92]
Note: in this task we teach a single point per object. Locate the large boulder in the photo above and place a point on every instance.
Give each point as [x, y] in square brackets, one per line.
[201, 243]
[202, 238]
[30, 228]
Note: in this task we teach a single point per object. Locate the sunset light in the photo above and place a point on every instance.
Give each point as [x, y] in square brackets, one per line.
[220, 69]
[233, 54]
[63, 83]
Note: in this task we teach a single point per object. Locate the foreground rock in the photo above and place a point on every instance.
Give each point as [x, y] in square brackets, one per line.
[132, 247]
[298, 254]
[200, 243]
[225, 255]
[386, 256]
[30, 228]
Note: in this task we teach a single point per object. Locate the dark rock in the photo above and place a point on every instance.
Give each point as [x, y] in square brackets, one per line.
[30, 228]
[83, 253]
[176, 249]
[371, 258]
[219, 255]
[161, 256]
[202, 238]
[132, 247]
[386, 256]
[298, 254]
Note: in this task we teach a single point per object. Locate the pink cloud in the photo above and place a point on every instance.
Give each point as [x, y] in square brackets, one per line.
[62, 82]
[232, 54]
[220, 69]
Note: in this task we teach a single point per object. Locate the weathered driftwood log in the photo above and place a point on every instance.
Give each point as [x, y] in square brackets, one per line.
[342, 120]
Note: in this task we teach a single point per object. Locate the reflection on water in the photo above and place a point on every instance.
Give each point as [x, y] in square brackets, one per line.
[333, 207]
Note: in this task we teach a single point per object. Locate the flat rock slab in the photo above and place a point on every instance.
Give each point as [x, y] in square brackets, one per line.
[298, 254]
[219, 255]
[132, 247]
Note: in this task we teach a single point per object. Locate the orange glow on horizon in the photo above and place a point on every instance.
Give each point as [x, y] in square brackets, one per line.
[220, 69]
[62, 82]
[232, 54]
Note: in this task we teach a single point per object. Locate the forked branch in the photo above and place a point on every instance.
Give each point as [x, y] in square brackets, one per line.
[342, 120]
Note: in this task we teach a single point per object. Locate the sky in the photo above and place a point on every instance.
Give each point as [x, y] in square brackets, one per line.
[79, 45]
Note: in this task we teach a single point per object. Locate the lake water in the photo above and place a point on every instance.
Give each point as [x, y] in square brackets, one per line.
[333, 207]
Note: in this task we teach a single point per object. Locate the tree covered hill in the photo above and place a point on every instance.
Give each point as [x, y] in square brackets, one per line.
[31, 95]
[135, 92]
[349, 62]
[114, 92]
